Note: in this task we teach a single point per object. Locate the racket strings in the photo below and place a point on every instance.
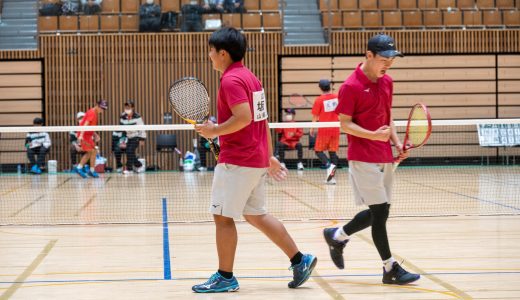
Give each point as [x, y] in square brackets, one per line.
[190, 99]
[297, 100]
[419, 127]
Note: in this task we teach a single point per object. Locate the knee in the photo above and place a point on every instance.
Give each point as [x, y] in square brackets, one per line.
[223, 221]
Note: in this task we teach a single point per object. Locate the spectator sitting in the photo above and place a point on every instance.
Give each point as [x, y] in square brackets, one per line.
[213, 6]
[37, 144]
[289, 139]
[128, 141]
[91, 7]
[149, 17]
[191, 17]
[75, 147]
[234, 6]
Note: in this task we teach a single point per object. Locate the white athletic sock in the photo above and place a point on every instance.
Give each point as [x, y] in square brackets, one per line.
[340, 235]
[92, 170]
[388, 264]
[80, 166]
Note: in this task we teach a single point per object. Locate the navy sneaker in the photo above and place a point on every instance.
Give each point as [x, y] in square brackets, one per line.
[398, 275]
[81, 172]
[335, 247]
[303, 270]
[217, 284]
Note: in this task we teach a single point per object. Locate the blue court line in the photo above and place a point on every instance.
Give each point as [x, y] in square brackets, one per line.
[166, 243]
[254, 277]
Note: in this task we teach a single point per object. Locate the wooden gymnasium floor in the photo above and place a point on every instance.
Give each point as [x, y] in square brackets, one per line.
[459, 257]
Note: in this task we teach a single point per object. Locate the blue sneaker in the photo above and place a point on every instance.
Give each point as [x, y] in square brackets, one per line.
[93, 174]
[217, 284]
[36, 170]
[303, 270]
[81, 172]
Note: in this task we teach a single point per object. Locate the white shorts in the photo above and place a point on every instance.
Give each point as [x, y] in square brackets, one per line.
[238, 191]
[371, 182]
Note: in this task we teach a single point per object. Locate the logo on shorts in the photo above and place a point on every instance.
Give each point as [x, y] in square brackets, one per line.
[215, 206]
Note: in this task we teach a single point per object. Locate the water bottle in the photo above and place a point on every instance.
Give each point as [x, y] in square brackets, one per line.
[19, 169]
[181, 164]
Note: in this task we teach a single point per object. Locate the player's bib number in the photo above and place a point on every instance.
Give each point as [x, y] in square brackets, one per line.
[330, 105]
[259, 106]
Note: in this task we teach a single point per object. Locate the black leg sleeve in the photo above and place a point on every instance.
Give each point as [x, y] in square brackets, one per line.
[131, 148]
[380, 214]
[323, 158]
[361, 221]
[41, 156]
[333, 158]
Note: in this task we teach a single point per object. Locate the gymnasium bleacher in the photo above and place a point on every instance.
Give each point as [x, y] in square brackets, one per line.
[123, 16]
[419, 14]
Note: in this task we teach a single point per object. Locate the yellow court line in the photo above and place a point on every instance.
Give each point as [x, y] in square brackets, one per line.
[326, 286]
[457, 292]
[28, 271]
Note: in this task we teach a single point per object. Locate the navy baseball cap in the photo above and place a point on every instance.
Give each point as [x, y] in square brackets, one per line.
[384, 45]
[291, 111]
[324, 83]
[103, 104]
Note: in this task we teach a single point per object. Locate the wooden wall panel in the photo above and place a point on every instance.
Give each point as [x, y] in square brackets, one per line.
[80, 69]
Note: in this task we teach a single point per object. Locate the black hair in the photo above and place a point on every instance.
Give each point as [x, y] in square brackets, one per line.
[38, 121]
[231, 40]
[130, 103]
[325, 88]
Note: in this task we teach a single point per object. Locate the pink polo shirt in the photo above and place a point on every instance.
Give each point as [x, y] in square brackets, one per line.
[369, 104]
[248, 146]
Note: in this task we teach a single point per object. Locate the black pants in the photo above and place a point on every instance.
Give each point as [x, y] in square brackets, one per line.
[131, 157]
[36, 155]
[191, 26]
[281, 148]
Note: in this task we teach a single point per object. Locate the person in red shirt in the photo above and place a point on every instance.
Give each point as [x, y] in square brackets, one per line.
[88, 139]
[289, 139]
[246, 155]
[365, 102]
[323, 110]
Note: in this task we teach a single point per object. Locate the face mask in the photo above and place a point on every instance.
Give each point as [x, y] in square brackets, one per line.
[289, 117]
[128, 111]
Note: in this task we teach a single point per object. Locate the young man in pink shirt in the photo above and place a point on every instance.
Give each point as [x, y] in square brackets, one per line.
[364, 108]
[246, 156]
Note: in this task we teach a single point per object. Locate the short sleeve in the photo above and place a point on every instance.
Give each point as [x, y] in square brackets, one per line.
[89, 117]
[234, 91]
[346, 100]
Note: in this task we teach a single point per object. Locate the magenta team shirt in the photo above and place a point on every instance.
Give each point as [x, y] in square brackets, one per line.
[369, 104]
[248, 146]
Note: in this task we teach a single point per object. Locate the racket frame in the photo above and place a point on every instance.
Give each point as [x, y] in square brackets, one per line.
[408, 126]
[215, 149]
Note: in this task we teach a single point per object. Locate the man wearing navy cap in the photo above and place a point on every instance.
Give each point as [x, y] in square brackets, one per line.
[364, 108]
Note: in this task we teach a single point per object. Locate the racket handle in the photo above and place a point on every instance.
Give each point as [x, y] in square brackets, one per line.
[214, 148]
[396, 164]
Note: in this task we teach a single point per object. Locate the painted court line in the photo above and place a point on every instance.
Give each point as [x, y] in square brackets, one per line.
[166, 242]
[457, 292]
[20, 280]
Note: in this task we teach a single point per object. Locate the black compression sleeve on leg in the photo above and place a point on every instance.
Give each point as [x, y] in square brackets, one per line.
[379, 236]
[361, 221]
[333, 157]
[323, 158]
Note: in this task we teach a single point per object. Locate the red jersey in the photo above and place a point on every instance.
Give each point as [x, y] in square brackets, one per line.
[290, 136]
[324, 108]
[369, 104]
[91, 117]
[248, 146]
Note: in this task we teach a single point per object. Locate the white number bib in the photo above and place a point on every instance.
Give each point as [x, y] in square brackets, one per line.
[259, 106]
[330, 105]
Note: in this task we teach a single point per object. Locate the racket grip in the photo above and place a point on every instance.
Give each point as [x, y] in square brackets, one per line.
[214, 148]
[396, 164]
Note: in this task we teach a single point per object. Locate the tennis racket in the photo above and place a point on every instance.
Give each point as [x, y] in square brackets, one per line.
[418, 129]
[298, 101]
[189, 99]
